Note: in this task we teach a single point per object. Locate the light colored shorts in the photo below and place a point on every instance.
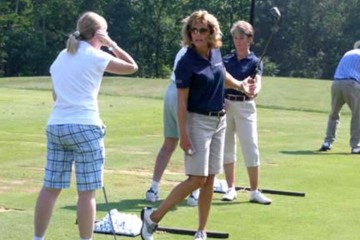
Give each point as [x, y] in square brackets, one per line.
[241, 120]
[207, 136]
[170, 122]
[83, 144]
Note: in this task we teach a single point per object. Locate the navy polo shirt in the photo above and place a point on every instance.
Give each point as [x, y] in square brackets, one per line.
[204, 78]
[241, 69]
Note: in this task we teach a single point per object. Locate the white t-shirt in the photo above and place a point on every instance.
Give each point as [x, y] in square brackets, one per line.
[76, 80]
[180, 53]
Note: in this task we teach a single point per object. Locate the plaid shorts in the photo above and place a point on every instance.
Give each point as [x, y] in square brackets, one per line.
[83, 144]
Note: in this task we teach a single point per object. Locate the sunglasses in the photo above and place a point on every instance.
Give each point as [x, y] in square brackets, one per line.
[199, 30]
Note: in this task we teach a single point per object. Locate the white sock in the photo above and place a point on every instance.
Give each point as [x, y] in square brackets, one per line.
[85, 238]
[155, 185]
[253, 192]
[38, 238]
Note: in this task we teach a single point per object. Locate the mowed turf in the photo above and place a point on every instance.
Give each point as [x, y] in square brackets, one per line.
[292, 115]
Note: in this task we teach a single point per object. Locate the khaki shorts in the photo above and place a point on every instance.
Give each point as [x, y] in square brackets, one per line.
[171, 129]
[207, 135]
[241, 121]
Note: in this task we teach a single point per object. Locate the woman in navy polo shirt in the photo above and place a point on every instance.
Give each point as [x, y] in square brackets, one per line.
[200, 79]
[241, 119]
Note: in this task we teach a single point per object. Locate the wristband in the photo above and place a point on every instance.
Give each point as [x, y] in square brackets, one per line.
[112, 46]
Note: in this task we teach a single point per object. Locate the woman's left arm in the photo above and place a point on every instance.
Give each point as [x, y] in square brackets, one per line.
[231, 82]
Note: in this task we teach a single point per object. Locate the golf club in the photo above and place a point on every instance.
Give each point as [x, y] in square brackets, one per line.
[108, 211]
[275, 13]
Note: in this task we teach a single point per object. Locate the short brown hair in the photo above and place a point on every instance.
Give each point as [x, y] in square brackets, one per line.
[242, 27]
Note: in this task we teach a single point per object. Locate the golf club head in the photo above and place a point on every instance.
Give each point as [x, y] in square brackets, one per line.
[274, 11]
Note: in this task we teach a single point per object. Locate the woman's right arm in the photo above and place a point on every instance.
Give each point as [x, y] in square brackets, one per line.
[182, 95]
[123, 63]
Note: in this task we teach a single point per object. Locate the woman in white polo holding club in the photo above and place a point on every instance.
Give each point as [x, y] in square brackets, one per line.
[75, 132]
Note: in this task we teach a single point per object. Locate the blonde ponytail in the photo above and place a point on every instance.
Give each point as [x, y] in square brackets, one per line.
[73, 42]
[87, 25]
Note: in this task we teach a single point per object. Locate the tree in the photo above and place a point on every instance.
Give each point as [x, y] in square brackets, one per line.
[312, 36]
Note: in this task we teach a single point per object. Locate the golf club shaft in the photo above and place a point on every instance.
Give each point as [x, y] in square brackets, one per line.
[273, 30]
[263, 54]
[108, 210]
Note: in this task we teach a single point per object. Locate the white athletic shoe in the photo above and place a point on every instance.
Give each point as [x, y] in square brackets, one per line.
[148, 227]
[200, 235]
[230, 195]
[151, 195]
[355, 150]
[220, 186]
[192, 200]
[257, 197]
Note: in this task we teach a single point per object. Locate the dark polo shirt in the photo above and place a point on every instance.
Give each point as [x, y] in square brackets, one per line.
[204, 78]
[240, 69]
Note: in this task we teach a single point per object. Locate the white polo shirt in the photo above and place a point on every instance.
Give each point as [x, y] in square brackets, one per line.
[76, 80]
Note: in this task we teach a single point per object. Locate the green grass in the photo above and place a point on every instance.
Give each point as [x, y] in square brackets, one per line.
[292, 115]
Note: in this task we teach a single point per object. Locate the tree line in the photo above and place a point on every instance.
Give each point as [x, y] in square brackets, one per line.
[312, 35]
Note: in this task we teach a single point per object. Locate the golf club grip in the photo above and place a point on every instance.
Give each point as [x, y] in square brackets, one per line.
[286, 193]
[191, 232]
[254, 72]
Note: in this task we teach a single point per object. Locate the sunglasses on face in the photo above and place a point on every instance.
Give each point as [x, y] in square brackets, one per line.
[199, 30]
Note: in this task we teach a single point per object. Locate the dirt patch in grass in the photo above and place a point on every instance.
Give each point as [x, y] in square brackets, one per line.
[146, 173]
[10, 185]
[6, 209]
[140, 172]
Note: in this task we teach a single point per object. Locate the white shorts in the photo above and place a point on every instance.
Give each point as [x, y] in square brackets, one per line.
[241, 120]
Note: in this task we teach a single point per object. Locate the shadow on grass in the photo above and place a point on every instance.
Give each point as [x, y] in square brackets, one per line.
[135, 205]
[126, 205]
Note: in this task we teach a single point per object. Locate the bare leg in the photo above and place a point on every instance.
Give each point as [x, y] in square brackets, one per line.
[163, 157]
[253, 173]
[229, 170]
[205, 197]
[178, 194]
[86, 211]
[44, 208]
